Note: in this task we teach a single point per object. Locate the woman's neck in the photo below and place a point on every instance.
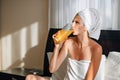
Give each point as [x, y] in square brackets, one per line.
[83, 39]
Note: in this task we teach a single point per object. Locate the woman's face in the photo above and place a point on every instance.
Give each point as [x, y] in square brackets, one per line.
[78, 25]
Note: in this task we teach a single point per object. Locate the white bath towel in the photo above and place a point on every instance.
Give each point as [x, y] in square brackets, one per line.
[101, 71]
[91, 19]
[76, 70]
[83, 65]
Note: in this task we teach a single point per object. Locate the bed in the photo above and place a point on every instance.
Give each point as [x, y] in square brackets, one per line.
[109, 40]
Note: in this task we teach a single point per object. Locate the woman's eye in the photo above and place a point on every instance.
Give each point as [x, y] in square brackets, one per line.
[76, 22]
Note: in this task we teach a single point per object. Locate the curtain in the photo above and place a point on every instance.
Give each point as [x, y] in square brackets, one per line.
[63, 11]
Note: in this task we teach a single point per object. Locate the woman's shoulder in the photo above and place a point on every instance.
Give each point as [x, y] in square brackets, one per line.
[70, 40]
[95, 43]
[96, 47]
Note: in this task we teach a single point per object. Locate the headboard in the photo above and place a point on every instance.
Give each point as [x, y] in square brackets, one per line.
[109, 40]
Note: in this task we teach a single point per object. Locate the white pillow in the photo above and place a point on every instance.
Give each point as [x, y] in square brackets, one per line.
[61, 72]
[112, 66]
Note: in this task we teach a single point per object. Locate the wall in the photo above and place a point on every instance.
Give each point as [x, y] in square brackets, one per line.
[24, 28]
[0, 37]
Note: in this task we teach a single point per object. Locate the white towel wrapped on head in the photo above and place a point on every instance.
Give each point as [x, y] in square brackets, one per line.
[91, 19]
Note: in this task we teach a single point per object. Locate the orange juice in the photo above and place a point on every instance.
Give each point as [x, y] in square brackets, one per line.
[61, 35]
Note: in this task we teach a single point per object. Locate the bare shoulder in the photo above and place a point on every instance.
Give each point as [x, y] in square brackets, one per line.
[69, 42]
[96, 48]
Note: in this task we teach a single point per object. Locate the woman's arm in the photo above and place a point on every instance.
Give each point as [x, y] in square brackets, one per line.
[59, 54]
[95, 63]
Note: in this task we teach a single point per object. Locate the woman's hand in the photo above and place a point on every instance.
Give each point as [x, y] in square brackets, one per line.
[54, 37]
[57, 45]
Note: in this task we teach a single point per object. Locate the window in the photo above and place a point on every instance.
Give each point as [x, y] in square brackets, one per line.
[63, 11]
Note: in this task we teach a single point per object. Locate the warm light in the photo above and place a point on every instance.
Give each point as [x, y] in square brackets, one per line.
[7, 51]
[23, 41]
[16, 45]
[34, 34]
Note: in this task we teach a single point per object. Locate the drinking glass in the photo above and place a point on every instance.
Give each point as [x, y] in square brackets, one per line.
[62, 34]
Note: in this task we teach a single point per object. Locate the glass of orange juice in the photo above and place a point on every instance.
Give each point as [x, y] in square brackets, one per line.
[62, 34]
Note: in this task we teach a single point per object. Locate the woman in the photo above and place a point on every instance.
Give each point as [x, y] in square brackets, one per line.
[83, 51]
